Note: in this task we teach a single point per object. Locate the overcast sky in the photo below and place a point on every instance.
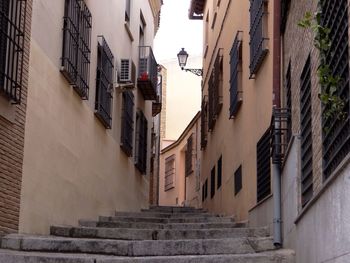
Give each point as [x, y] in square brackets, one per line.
[177, 31]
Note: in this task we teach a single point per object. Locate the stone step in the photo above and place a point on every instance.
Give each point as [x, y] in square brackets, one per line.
[280, 256]
[163, 215]
[138, 248]
[173, 209]
[166, 220]
[155, 226]
[161, 234]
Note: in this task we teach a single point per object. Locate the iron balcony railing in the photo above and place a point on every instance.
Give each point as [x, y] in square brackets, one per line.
[12, 33]
[147, 76]
[157, 104]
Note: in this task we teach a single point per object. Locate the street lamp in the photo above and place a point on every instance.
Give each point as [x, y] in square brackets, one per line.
[182, 57]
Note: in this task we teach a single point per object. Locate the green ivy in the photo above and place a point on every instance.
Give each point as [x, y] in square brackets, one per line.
[333, 104]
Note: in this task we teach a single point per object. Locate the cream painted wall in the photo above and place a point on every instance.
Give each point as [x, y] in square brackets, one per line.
[183, 95]
[74, 167]
[236, 139]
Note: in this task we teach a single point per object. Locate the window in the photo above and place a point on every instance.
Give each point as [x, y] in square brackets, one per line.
[285, 4]
[306, 134]
[104, 82]
[127, 10]
[169, 173]
[238, 180]
[235, 75]
[258, 47]
[215, 90]
[336, 141]
[142, 30]
[76, 46]
[141, 142]
[206, 35]
[127, 125]
[189, 156]
[205, 190]
[219, 172]
[212, 182]
[12, 37]
[288, 92]
[204, 122]
[264, 166]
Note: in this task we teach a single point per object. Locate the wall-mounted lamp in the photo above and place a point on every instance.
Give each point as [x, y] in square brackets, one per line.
[182, 57]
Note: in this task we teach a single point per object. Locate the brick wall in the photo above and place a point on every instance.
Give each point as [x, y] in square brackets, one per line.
[11, 150]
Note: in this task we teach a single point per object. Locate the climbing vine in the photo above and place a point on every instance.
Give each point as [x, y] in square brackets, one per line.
[332, 102]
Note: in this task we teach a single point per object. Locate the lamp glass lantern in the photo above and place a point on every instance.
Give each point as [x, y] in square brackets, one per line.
[182, 57]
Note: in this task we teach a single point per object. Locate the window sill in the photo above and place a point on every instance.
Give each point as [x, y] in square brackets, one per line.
[127, 28]
[261, 202]
[325, 186]
[168, 189]
[7, 110]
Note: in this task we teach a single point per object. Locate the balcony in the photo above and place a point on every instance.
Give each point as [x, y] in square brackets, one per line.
[147, 77]
[157, 104]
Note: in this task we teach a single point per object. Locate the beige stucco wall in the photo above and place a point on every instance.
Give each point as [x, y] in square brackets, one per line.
[73, 167]
[182, 194]
[236, 139]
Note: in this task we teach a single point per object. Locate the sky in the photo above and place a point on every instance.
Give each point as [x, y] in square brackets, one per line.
[177, 31]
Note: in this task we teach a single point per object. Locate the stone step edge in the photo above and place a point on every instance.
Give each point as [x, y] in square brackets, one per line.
[287, 254]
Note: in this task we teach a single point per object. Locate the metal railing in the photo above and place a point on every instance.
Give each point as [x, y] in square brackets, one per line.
[148, 72]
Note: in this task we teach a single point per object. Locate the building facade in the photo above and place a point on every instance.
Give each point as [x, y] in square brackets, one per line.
[90, 95]
[15, 20]
[316, 169]
[237, 101]
[179, 181]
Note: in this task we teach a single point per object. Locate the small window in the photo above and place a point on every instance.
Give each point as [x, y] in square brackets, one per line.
[219, 172]
[238, 180]
[169, 177]
[264, 166]
[141, 142]
[77, 46]
[189, 156]
[104, 82]
[127, 125]
[204, 123]
[212, 182]
[12, 40]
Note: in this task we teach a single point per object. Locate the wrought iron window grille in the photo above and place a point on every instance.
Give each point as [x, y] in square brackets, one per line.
[104, 82]
[219, 172]
[258, 38]
[12, 41]
[127, 125]
[204, 122]
[212, 183]
[169, 182]
[235, 75]
[238, 180]
[141, 142]
[336, 141]
[189, 156]
[76, 50]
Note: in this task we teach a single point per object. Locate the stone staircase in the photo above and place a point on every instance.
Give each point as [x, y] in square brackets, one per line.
[156, 235]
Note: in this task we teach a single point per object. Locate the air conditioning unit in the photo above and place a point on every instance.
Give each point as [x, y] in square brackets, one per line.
[125, 71]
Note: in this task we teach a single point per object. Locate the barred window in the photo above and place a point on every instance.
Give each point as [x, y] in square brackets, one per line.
[336, 140]
[238, 180]
[284, 13]
[12, 37]
[306, 134]
[169, 173]
[127, 126]
[288, 92]
[219, 172]
[104, 82]
[235, 75]
[204, 122]
[141, 142]
[264, 166]
[258, 34]
[76, 46]
[215, 90]
[212, 182]
[189, 156]
[205, 189]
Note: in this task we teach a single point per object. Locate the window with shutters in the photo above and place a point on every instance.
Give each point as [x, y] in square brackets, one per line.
[258, 34]
[127, 125]
[215, 90]
[306, 134]
[141, 142]
[169, 182]
[104, 82]
[12, 39]
[264, 166]
[238, 180]
[77, 46]
[219, 172]
[212, 182]
[189, 156]
[336, 140]
[236, 75]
